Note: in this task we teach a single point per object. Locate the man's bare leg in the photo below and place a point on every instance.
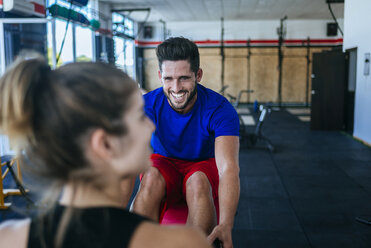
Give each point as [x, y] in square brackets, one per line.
[201, 209]
[150, 194]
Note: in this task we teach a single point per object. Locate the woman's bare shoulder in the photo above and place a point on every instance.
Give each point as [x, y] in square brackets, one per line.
[14, 233]
[154, 235]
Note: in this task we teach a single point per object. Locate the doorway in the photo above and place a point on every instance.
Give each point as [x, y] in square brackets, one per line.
[328, 89]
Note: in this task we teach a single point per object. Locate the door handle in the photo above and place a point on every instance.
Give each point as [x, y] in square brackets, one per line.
[313, 92]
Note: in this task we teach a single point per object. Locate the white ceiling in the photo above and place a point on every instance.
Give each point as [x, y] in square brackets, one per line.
[211, 10]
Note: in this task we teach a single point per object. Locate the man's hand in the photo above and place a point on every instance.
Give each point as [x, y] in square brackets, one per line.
[224, 234]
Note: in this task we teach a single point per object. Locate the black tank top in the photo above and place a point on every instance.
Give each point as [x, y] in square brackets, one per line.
[88, 227]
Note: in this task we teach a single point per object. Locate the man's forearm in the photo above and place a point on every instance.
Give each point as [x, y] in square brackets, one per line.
[229, 194]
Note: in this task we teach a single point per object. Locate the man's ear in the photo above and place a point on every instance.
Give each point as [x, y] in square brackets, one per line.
[199, 75]
[100, 144]
[159, 75]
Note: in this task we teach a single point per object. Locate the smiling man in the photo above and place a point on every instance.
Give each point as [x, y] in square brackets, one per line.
[195, 145]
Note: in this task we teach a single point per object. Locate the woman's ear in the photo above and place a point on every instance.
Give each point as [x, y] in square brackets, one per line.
[107, 146]
[100, 144]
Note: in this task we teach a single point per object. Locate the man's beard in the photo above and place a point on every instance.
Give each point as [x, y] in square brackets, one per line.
[180, 108]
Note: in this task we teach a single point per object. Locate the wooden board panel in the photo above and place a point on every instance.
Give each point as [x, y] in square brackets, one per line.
[151, 74]
[235, 73]
[151, 70]
[294, 51]
[236, 51]
[211, 66]
[208, 51]
[263, 72]
[150, 53]
[294, 79]
[236, 76]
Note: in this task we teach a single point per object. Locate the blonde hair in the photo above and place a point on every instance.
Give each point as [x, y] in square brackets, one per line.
[47, 113]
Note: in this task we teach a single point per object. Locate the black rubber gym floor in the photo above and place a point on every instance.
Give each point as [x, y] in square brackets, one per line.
[307, 193]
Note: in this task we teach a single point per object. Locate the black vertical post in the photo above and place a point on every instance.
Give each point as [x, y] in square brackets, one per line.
[248, 70]
[110, 50]
[140, 67]
[98, 47]
[308, 65]
[222, 53]
[165, 31]
[280, 58]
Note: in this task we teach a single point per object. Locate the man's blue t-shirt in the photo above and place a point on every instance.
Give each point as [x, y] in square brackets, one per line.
[190, 136]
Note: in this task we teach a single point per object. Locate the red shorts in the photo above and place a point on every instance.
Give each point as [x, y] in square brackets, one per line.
[176, 173]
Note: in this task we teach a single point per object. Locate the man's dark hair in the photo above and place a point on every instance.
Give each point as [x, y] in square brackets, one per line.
[179, 48]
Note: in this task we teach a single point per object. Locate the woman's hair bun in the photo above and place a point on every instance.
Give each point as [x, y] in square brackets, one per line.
[18, 87]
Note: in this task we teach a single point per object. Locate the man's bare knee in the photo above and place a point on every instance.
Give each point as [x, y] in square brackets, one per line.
[198, 185]
[153, 183]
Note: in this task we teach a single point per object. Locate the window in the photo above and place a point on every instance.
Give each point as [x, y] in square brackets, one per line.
[123, 31]
[19, 37]
[123, 25]
[66, 55]
[129, 58]
[119, 50]
[84, 44]
[124, 50]
[78, 44]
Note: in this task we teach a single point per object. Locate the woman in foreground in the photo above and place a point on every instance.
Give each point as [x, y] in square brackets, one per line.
[83, 131]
